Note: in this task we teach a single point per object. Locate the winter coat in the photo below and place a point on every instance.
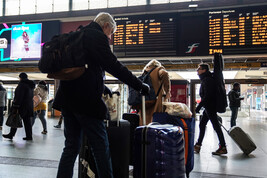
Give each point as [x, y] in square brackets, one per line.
[156, 106]
[3, 96]
[84, 95]
[43, 93]
[234, 99]
[23, 98]
[207, 91]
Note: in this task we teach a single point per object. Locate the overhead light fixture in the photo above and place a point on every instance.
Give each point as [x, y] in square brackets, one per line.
[193, 5]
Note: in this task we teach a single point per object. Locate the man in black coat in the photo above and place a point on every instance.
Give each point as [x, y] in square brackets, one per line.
[23, 104]
[81, 103]
[234, 100]
[207, 93]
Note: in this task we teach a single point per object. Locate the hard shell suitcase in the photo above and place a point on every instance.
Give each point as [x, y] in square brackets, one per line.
[188, 125]
[242, 139]
[158, 150]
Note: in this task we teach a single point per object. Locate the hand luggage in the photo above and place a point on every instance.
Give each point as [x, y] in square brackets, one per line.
[188, 125]
[242, 139]
[158, 151]
[134, 119]
[119, 144]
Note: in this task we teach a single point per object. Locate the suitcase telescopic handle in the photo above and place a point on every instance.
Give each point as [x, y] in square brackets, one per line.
[144, 109]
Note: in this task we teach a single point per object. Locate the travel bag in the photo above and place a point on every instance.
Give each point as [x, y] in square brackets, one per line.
[158, 151]
[188, 125]
[242, 139]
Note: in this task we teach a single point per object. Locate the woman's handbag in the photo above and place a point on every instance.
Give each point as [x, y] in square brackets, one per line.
[14, 120]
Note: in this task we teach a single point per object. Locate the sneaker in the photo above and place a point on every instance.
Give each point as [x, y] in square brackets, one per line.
[27, 138]
[197, 148]
[57, 126]
[7, 136]
[44, 132]
[220, 151]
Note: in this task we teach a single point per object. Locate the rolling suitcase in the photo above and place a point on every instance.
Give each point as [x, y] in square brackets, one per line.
[158, 151]
[188, 125]
[242, 139]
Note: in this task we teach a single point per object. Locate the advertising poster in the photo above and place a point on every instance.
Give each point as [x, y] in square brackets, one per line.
[26, 41]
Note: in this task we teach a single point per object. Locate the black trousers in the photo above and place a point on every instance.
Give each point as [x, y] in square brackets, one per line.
[27, 126]
[212, 116]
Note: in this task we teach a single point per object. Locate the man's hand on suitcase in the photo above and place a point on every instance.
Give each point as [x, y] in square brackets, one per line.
[145, 89]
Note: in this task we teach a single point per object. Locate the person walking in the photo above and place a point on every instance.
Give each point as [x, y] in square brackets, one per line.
[80, 100]
[161, 83]
[23, 103]
[234, 100]
[3, 101]
[207, 93]
[40, 110]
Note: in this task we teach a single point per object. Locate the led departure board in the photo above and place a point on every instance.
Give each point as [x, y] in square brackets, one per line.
[146, 35]
[193, 33]
[238, 31]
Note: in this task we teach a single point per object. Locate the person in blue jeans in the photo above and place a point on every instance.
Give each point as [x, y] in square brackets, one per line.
[234, 102]
[80, 100]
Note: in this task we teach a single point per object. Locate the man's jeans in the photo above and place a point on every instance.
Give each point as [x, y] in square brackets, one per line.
[212, 116]
[233, 115]
[1, 116]
[95, 130]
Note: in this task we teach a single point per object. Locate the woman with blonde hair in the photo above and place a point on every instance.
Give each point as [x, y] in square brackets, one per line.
[161, 84]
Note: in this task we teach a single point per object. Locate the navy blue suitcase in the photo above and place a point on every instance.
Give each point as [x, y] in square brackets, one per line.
[159, 152]
[188, 126]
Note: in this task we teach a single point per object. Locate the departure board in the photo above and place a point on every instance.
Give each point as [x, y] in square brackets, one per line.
[146, 35]
[238, 31]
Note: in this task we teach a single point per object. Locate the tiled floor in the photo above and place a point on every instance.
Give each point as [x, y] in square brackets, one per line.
[39, 158]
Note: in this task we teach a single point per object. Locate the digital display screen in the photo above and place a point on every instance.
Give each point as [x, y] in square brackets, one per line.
[26, 41]
[195, 33]
[238, 31]
[145, 35]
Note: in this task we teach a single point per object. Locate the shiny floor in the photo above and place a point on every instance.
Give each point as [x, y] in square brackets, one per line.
[39, 158]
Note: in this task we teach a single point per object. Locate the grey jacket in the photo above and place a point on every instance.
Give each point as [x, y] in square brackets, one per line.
[3, 96]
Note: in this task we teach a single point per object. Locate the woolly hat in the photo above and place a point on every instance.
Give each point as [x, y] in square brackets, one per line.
[23, 75]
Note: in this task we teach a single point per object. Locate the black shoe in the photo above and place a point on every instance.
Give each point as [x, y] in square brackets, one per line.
[27, 138]
[7, 136]
[57, 126]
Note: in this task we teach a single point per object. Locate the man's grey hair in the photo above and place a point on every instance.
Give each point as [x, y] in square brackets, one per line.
[104, 17]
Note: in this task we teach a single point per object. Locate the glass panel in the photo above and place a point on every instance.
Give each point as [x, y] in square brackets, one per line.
[61, 5]
[159, 1]
[116, 3]
[27, 7]
[1, 7]
[12, 7]
[97, 4]
[136, 2]
[80, 4]
[172, 1]
[44, 6]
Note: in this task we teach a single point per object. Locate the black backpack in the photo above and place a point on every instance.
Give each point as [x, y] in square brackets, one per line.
[221, 100]
[64, 57]
[135, 98]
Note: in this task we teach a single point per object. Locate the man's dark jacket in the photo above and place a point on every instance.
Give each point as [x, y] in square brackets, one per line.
[84, 95]
[207, 91]
[23, 99]
[234, 99]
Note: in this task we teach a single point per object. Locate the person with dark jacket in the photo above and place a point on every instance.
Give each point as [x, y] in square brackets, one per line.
[3, 101]
[207, 93]
[23, 103]
[234, 100]
[81, 103]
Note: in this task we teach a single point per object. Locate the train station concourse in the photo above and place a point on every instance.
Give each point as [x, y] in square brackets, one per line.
[180, 34]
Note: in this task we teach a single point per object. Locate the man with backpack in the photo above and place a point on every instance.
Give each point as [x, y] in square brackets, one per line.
[81, 103]
[208, 93]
